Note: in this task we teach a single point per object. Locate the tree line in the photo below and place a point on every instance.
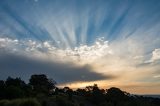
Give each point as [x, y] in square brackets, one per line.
[42, 91]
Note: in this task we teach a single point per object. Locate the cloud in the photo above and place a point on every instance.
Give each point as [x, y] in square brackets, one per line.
[25, 57]
[82, 54]
[23, 66]
[96, 62]
[156, 54]
[64, 33]
[156, 76]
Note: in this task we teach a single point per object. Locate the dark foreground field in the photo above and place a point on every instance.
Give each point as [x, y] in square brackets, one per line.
[41, 91]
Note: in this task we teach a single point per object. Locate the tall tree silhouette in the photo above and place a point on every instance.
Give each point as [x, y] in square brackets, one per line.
[41, 84]
[115, 95]
[69, 92]
[2, 89]
[15, 82]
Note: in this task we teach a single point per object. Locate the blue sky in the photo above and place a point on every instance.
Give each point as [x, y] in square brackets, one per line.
[121, 34]
[88, 19]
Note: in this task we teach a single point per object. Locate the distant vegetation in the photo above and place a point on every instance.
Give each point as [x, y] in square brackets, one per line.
[41, 91]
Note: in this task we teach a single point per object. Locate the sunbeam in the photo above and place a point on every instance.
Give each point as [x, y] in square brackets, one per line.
[117, 42]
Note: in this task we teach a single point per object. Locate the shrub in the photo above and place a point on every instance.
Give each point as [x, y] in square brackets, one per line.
[20, 102]
[14, 102]
[63, 101]
[30, 102]
[81, 104]
[4, 102]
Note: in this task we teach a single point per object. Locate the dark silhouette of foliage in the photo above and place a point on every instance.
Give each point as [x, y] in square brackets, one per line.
[41, 84]
[69, 92]
[81, 92]
[14, 92]
[45, 93]
[97, 95]
[115, 95]
[13, 88]
[15, 82]
[20, 102]
[94, 94]
[2, 89]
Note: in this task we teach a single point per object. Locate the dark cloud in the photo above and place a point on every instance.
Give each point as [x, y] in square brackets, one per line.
[21, 66]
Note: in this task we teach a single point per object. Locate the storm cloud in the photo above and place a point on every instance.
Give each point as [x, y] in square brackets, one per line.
[23, 66]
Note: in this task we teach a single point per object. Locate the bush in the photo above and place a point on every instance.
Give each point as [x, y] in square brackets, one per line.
[4, 102]
[20, 102]
[81, 104]
[13, 92]
[14, 102]
[30, 102]
[63, 101]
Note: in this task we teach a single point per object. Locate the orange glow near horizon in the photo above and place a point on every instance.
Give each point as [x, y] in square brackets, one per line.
[134, 88]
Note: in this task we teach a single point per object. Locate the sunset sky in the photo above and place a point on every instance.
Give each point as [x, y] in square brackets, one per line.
[82, 42]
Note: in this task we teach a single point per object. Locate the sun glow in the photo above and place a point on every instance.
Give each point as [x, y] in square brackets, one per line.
[111, 43]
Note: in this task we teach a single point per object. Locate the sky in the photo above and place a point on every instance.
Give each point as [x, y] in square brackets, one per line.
[83, 42]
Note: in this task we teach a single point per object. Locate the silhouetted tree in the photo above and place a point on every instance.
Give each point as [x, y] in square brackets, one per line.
[15, 82]
[14, 88]
[41, 84]
[89, 90]
[13, 92]
[94, 94]
[2, 84]
[65, 89]
[97, 95]
[81, 92]
[2, 89]
[69, 92]
[115, 95]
